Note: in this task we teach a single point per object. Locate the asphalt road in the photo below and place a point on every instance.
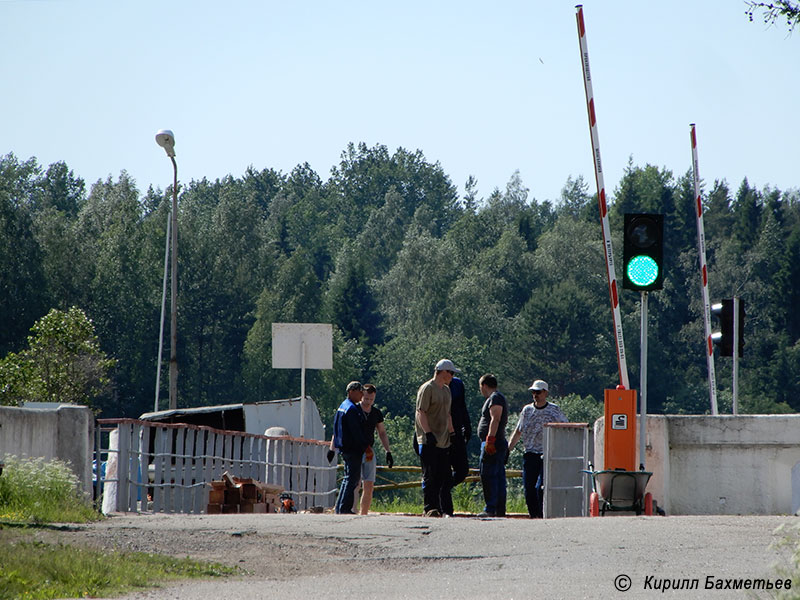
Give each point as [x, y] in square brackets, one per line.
[390, 557]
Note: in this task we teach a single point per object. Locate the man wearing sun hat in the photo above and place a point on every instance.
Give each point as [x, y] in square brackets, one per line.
[433, 426]
[530, 427]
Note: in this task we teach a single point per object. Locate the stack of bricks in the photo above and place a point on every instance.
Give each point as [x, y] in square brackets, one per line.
[236, 495]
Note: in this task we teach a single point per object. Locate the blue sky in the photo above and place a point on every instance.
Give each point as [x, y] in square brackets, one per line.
[484, 88]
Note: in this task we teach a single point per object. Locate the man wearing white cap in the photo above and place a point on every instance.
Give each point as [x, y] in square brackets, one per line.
[433, 426]
[530, 427]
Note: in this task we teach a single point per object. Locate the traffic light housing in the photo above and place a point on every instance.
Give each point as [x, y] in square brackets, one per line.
[643, 252]
[724, 338]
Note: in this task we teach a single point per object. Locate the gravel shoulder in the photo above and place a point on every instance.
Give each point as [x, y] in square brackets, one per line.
[390, 556]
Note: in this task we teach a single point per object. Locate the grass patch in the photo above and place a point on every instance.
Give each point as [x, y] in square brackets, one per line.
[467, 498]
[397, 504]
[35, 570]
[788, 565]
[34, 490]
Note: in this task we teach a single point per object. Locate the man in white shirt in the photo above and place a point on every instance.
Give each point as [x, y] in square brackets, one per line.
[530, 427]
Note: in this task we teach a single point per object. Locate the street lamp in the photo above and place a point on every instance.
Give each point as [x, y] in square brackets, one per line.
[166, 139]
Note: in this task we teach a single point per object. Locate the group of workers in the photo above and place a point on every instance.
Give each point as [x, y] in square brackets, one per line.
[442, 431]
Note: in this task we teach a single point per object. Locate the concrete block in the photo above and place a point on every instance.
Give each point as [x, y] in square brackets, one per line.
[65, 433]
[726, 465]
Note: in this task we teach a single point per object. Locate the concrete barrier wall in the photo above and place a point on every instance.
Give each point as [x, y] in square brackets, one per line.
[65, 433]
[724, 465]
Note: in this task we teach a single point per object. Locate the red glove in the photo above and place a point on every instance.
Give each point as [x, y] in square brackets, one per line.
[490, 449]
[370, 453]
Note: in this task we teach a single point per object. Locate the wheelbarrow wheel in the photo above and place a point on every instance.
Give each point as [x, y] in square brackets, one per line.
[648, 504]
[594, 504]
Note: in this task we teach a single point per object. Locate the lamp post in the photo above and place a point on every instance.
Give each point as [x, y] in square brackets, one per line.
[166, 140]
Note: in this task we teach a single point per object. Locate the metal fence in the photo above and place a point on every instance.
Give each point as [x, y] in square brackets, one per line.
[163, 467]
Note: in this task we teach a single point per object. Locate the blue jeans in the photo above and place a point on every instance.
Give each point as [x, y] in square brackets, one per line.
[532, 481]
[493, 478]
[352, 475]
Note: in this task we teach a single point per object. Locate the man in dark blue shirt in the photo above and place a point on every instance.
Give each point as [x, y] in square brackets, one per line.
[351, 441]
[459, 463]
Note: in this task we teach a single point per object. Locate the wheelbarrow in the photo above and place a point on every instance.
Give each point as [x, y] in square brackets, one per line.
[620, 490]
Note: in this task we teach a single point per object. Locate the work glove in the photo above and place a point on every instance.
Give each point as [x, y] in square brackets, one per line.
[490, 447]
[389, 459]
[331, 454]
[430, 438]
[370, 453]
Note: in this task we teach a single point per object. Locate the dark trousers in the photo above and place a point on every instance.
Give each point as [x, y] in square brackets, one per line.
[459, 469]
[435, 476]
[493, 478]
[352, 475]
[533, 482]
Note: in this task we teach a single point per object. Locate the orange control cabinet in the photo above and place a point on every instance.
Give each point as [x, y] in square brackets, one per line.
[619, 447]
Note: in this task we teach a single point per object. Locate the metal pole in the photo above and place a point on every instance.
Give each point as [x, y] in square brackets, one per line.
[736, 333]
[303, 389]
[643, 386]
[601, 200]
[163, 308]
[173, 358]
[701, 250]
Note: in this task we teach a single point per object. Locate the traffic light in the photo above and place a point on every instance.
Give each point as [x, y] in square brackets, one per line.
[643, 252]
[724, 338]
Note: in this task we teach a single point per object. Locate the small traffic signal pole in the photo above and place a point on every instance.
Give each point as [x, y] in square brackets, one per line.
[730, 313]
[643, 384]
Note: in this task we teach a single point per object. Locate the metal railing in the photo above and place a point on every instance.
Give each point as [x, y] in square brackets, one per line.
[144, 466]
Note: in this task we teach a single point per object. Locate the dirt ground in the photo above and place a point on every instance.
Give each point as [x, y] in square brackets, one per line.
[391, 556]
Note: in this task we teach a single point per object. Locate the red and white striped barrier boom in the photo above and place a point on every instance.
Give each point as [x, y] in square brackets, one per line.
[701, 250]
[601, 199]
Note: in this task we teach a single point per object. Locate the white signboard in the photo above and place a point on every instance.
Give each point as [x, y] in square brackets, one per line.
[289, 340]
[302, 346]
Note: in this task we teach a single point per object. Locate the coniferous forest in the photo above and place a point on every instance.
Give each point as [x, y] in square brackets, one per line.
[408, 271]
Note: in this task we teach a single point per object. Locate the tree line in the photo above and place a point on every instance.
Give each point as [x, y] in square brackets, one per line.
[408, 271]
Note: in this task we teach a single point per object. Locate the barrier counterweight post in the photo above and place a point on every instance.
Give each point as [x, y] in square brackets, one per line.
[701, 250]
[601, 199]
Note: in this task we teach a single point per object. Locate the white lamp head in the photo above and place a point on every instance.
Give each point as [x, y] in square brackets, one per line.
[166, 139]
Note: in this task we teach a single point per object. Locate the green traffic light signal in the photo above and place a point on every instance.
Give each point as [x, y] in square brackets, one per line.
[642, 270]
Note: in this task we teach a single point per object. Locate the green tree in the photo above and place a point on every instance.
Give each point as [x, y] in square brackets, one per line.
[413, 294]
[580, 409]
[293, 297]
[575, 200]
[747, 209]
[123, 271]
[365, 175]
[63, 363]
[775, 10]
[327, 387]
[350, 301]
[22, 278]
